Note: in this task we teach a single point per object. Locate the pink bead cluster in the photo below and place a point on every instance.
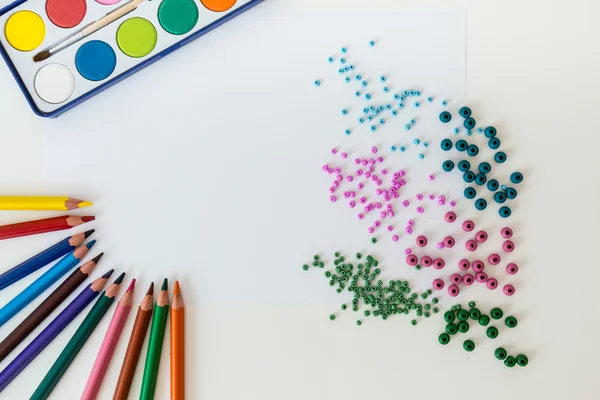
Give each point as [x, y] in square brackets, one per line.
[388, 186]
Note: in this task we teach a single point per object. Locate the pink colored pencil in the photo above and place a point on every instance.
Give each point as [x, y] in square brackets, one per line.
[108, 345]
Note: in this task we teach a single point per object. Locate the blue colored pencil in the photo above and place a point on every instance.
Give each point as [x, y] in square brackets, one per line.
[43, 282]
[42, 259]
[53, 329]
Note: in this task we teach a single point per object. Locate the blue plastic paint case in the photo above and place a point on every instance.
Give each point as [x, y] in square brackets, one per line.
[50, 95]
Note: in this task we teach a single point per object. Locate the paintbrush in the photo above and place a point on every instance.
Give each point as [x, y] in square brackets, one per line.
[88, 30]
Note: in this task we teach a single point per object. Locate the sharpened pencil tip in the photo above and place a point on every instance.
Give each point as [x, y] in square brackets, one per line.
[119, 280]
[176, 290]
[88, 218]
[91, 244]
[85, 204]
[131, 285]
[165, 284]
[108, 274]
[89, 233]
[97, 258]
[150, 290]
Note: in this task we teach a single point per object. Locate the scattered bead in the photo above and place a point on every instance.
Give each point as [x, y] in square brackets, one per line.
[491, 283]
[481, 236]
[492, 332]
[509, 290]
[500, 353]
[471, 245]
[516, 177]
[468, 226]
[453, 290]
[317, 83]
[522, 360]
[468, 345]
[511, 322]
[510, 361]
[508, 246]
[512, 269]
[445, 116]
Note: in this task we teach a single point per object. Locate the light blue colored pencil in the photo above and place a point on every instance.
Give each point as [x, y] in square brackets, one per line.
[43, 282]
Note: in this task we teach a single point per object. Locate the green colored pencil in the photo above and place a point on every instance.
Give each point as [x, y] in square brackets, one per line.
[76, 343]
[157, 334]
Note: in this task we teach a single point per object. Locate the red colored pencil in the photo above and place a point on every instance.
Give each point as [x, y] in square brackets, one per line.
[42, 226]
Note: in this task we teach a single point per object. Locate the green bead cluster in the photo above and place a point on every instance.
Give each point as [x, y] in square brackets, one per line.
[316, 263]
[510, 361]
[382, 300]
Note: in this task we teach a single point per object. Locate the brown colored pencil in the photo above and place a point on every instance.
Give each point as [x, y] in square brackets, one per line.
[47, 306]
[134, 348]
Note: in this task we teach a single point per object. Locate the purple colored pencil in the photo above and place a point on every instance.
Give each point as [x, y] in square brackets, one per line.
[52, 330]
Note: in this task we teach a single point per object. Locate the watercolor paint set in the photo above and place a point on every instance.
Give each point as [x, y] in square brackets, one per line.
[61, 52]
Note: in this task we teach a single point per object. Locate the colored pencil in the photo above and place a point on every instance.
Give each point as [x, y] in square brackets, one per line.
[47, 306]
[108, 345]
[43, 282]
[42, 226]
[52, 330]
[177, 345]
[41, 259]
[77, 341]
[134, 348]
[157, 335]
[42, 203]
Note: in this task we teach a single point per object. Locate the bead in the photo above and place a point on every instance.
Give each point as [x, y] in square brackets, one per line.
[468, 177]
[455, 278]
[373, 240]
[470, 193]
[478, 266]
[500, 157]
[468, 226]
[494, 143]
[480, 204]
[416, 141]
[445, 116]
[481, 236]
[456, 131]
[347, 79]
[506, 232]
[464, 264]
[444, 103]
[394, 112]
[472, 150]
[461, 145]
[497, 313]
[344, 111]
[463, 326]
[403, 148]
[471, 245]
[489, 132]
[426, 261]
[484, 320]
[469, 123]
[494, 259]
[358, 77]
[511, 322]
[417, 104]
[305, 267]
[438, 263]
[499, 197]
[444, 339]
[508, 246]
[372, 43]
[504, 212]
[407, 127]
[358, 323]
[522, 360]
[464, 166]
[413, 322]
[332, 317]
[465, 112]
[449, 241]
[330, 59]
[386, 89]
[446, 144]
[510, 361]
[474, 313]
[516, 178]
[421, 156]
[367, 96]
[469, 132]
[412, 260]
[481, 277]
[317, 83]
[491, 283]
[480, 179]
[492, 332]
[453, 290]
[451, 328]
[382, 121]
[430, 99]
[412, 122]
[449, 316]
[485, 167]
[342, 60]
[468, 345]
[500, 353]
[373, 128]
[462, 315]
[357, 93]
[509, 290]
[493, 185]
[348, 131]
[438, 284]
[425, 144]
[512, 269]
[421, 241]
[450, 217]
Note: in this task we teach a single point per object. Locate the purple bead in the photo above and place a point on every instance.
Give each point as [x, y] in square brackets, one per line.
[450, 217]
[349, 178]
[337, 170]
[333, 199]
[506, 233]
[440, 245]
[384, 171]
[346, 194]
[412, 260]
[387, 197]
[431, 177]
[372, 161]
[431, 197]
[361, 186]
[478, 266]
[336, 184]
[393, 189]
[449, 241]
[357, 161]
[441, 203]
[373, 149]
[464, 264]
[395, 238]
[471, 245]
[380, 160]
[410, 222]
[325, 167]
[377, 224]
[402, 182]
[453, 290]
[396, 195]
[408, 230]
[421, 241]
[438, 284]
[344, 155]
[352, 204]
[508, 246]
[481, 277]
[330, 171]
[378, 205]
[391, 213]
[353, 194]
[509, 290]
[360, 216]
[420, 210]
[452, 204]
[402, 172]
[494, 259]
[389, 207]
[407, 251]
[441, 198]
[359, 172]
[438, 263]
[371, 170]
[367, 174]
[339, 177]
[512, 269]
[455, 278]
[491, 283]
[331, 189]
[405, 203]
[396, 175]
[364, 163]
[468, 226]
[390, 228]
[334, 151]
[419, 197]
[371, 229]
[481, 236]
[363, 200]
[468, 279]
[382, 214]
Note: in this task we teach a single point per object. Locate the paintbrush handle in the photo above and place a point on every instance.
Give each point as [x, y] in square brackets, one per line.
[110, 17]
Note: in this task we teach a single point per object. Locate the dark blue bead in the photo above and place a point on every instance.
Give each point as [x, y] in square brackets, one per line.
[480, 179]
[511, 193]
[504, 212]
[464, 165]
[499, 197]
[472, 150]
[470, 193]
[493, 185]
[448, 165]
[446, 144]
[500, 157]
[516, 177]
[480, 204]
[461, 145]
[494, 143]
[465, 112]
[469, 123]
[468, 177]
[489, 132]
[485, 167]
[445, 117]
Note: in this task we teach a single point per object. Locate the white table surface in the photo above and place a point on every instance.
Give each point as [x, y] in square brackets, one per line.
[536, 67]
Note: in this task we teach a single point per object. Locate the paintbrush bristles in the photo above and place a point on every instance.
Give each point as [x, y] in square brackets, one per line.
[41, 56]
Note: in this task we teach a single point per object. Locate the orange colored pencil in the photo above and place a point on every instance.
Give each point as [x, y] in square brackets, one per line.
[177, 345]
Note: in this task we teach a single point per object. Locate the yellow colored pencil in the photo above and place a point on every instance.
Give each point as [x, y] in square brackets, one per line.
[42, 203]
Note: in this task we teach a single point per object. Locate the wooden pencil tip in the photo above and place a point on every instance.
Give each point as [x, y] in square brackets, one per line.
[97, 258]
[176, 290]
[119, 280]
[88, 218]
[131, 285]
[91, 244]
[84, 204]
[150, 290]
[165, 284]
[87, 234]
[108, 274]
